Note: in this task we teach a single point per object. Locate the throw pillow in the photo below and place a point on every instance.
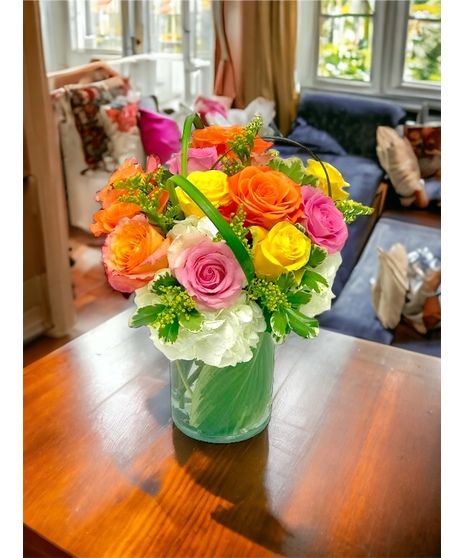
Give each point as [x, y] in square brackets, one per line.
[160, 134]
[85, 101]
[316, 140]
[120, 124]
[397, 158]
[425, 140]
[390, 287]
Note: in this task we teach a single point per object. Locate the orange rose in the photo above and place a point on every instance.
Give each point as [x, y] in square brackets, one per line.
[128, 169]
[133, 252]
[109, 194]
[107, 219]
[268, 196]
[218, 136]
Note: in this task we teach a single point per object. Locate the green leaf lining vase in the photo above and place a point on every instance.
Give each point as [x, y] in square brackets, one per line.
[223, 405]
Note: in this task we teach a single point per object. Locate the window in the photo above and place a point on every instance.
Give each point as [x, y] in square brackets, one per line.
[170, 20]
[141, 26]
[96, 25]
[345, 44]
[379, 47]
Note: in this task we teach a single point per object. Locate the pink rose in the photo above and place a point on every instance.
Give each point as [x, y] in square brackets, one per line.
[198, 159]
[208, 270]
[322, 220]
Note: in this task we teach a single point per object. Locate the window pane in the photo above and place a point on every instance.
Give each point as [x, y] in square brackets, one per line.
[103, 25]
[166, 30]
[423, 50]
[346, 47]
[204, 39]
[166, 27]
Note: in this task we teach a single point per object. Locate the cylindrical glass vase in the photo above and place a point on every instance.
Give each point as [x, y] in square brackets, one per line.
[223, 405]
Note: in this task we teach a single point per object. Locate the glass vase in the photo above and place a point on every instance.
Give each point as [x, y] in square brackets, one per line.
[223, 405]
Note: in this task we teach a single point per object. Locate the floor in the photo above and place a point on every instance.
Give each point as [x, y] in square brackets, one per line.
[95, 301]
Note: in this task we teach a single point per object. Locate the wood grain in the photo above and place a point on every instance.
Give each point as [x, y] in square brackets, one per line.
[348, 466]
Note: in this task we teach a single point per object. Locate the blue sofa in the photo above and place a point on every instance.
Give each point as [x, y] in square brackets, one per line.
[341, 130]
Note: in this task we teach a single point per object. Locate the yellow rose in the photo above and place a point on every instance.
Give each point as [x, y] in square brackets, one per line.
[214, 186]
[283, 248]
[335, 177]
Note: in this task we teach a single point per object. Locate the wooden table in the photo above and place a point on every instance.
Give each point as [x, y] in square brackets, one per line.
[348, 466]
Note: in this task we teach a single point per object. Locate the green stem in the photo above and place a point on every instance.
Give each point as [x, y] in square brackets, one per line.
[174, 198]
[183, 378]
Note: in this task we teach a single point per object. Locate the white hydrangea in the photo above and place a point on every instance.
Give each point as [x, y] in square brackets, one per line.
[226, 338]
[194, 225]
[321, 302]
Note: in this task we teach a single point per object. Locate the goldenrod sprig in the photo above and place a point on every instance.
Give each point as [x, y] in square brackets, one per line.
[242, 146]
[269, 295]
[236, 223]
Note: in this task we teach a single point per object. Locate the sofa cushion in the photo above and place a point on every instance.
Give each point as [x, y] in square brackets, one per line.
[350, 119]
[85, 101]
[425, 140]
[316, 140]
[353, 313]
[398, 159]
[159, 133]
[120, 124]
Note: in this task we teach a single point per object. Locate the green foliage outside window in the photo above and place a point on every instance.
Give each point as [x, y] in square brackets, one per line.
[346, 37]
[423, 53]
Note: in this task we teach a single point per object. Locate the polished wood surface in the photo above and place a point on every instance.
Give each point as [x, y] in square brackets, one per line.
[348, 466]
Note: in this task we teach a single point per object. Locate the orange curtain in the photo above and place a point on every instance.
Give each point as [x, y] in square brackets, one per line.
[256, 54]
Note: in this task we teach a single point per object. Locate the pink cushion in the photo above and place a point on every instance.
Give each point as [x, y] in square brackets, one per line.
[160, 134]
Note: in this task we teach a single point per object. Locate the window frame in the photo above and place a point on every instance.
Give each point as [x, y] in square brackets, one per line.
[387, 57]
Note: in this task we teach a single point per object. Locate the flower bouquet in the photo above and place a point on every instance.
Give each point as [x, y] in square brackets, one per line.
[228, 248]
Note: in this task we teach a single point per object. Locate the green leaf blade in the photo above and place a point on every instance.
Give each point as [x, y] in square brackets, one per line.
[313, 280]
[228, 400]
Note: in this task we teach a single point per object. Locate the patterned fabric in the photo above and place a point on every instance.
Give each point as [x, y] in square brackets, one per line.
[124, 116]
[85, 104]
[121, 127]
[426, 143]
